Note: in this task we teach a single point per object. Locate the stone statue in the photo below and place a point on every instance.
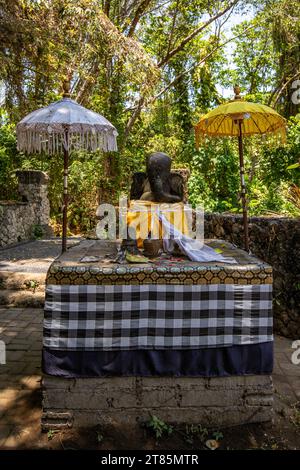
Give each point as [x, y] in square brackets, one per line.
[158, 184]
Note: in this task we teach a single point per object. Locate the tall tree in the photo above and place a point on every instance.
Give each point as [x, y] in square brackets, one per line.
[286, 36]
[266, 60]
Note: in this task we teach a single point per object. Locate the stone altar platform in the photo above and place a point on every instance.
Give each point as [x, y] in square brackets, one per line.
[189, 342]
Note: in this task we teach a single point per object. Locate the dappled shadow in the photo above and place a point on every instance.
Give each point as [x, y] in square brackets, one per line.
[22, 419]
[33, 256]
[20, 378]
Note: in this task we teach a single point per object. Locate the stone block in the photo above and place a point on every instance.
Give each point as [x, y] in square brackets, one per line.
[208, 417]
[222, 401]
[18, 219]
[276, 241]
[27, 177]
[56, 420]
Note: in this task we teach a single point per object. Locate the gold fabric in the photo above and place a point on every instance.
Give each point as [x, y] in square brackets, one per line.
[142, 219]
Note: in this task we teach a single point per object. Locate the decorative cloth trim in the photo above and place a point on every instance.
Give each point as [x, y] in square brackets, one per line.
[123, 317]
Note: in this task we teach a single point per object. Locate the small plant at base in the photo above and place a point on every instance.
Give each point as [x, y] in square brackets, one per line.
[37, 231]
[32, 284]
[274, 446]
[193, 431]
[218, 436]
[159, 427]
[51, 433]
[295, 418]
[100, 437]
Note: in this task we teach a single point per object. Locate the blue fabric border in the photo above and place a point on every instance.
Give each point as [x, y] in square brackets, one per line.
[249, 359]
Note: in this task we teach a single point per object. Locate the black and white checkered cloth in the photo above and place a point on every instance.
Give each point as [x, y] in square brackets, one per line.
[153, 316]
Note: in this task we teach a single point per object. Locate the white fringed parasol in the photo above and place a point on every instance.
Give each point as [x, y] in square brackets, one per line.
[65, 125]
[61, 127]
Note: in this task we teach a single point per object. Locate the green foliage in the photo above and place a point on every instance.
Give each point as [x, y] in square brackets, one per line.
[218, 435]
[195, 431]
[51, 433]
[45, 41]
[32, 284]
[215, 184]
[295, 417]
[37, 231]
[293, 166]
[266, 59]
[255, 58]
[159, 427]
[100, 437]
[214, 181]
[9, 160]
[275, 161]
[122, 66]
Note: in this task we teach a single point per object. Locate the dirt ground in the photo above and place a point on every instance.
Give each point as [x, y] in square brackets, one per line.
[282, 434]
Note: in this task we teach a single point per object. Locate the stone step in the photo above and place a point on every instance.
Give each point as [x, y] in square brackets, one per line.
[21, 298]
[30, 282]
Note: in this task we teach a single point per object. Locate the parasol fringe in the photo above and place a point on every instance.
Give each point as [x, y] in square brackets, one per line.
[274, 136]
[30, 141]
[65, 124]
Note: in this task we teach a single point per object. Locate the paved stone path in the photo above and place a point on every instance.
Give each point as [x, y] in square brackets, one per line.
[20, 394]
[34, 256]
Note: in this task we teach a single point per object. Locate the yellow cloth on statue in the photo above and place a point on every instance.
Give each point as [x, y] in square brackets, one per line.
[143, 219]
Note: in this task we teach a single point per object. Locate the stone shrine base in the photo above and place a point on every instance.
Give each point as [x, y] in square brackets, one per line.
[129, 400]
[211, 402]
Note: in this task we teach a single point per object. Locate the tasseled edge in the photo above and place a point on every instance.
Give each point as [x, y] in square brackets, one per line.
[275, 137]
[280, 135]
[202, 139]
[31, 141]
[199, 137]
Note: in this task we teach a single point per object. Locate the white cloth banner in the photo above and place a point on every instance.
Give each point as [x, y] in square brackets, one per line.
[194, 249]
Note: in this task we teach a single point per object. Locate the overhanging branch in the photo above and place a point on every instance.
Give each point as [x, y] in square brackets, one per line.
[195, 33]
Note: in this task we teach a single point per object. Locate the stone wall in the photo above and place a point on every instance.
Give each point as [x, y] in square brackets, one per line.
[213, 402]
[18, 219]
[276, 241]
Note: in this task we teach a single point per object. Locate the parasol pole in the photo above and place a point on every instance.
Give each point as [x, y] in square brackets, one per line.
[65, 195]
[237, 96]
[66, 94]
[243, 187]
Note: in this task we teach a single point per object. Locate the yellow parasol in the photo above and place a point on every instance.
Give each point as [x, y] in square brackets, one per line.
[241, 118]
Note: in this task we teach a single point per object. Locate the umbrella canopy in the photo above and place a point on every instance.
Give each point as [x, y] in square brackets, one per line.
[240, 118]
[61, 127]
[65, 125]
[255, 119]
